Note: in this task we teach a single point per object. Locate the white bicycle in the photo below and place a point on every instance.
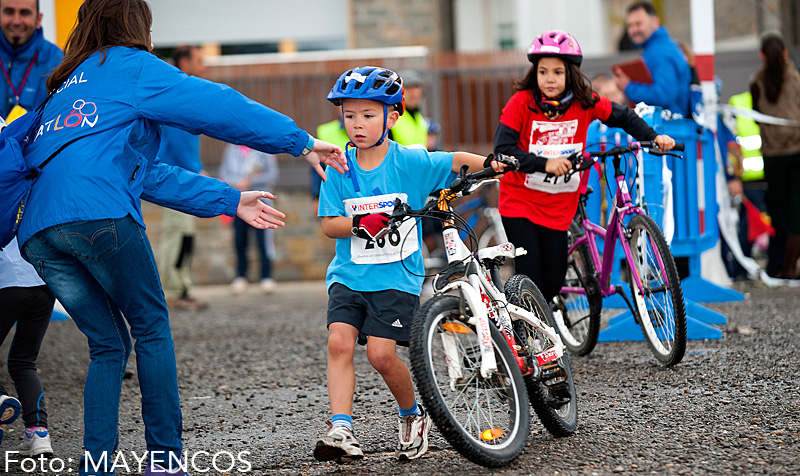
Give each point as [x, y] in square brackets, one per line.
[481, 350]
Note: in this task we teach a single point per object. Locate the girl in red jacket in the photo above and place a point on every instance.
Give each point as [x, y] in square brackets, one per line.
[543, 123]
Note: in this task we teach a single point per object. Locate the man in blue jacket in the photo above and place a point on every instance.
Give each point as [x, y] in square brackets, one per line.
[26, 57]
[664, 58]
[182, 149]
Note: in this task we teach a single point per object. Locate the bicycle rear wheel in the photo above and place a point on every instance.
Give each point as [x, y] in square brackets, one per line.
[577, 315]
[552, 393]
[659, 307]
[487, 420]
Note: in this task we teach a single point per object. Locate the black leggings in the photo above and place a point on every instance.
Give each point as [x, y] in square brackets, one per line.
[30, 308]
[546, 261]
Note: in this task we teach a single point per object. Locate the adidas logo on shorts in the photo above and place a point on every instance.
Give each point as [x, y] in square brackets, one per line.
[397, 323]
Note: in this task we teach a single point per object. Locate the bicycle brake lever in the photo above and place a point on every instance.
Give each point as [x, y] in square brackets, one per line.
[391, 226]
[511, 163]
[575, 159]
[400, 209]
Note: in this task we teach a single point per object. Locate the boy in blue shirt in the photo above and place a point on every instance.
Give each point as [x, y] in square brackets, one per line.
[372, 298]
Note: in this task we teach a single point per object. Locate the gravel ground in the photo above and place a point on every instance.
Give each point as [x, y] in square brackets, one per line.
[252, 379]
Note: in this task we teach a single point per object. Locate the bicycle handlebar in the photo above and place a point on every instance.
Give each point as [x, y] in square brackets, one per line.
[582, 160]
[458, 188]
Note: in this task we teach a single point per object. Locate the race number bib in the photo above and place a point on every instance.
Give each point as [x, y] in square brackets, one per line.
[386, 249]
[548, 183]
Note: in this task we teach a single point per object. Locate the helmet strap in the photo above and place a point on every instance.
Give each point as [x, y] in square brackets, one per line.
[352, 170]
[385, 130]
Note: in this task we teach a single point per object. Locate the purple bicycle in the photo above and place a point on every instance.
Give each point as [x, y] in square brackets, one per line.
[648, 267]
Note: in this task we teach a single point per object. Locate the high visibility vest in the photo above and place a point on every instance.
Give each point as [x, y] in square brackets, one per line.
[749, 138]
[411, 129]
[333, 132]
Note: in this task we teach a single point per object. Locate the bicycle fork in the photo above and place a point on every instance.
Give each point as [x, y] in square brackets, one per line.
[480, 320]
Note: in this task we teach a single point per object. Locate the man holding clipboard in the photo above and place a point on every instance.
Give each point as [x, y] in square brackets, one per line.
[662, 76]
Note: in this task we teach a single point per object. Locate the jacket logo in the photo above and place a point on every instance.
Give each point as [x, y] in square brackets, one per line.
[83, 113]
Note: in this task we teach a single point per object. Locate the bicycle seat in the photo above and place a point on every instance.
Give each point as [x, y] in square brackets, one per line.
[506, 250]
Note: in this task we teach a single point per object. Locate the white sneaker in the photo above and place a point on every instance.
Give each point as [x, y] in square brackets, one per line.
[36, 443]
[338, 444]
[268, 285]
[239, 285]
[413, 439]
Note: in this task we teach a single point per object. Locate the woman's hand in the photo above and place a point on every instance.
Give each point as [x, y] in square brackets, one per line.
[326, 153]
[558, 167]
[665, 142]
[256, 213]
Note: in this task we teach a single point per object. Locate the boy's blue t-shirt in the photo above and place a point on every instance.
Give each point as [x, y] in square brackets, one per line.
[411, 174]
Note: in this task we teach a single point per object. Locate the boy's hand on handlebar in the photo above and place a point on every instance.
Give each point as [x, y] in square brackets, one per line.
[256, 213]
[326, 153]
[367, 226]
[558, 167]
[665, 142]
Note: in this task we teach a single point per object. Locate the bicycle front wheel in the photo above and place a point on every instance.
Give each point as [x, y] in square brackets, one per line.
[552, 392]
[659, 306]
[487, 420]
[577, 315]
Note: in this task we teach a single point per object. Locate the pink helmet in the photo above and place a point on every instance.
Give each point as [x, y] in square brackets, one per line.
[556, 43]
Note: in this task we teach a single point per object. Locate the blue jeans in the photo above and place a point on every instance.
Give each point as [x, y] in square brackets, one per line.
[241, 232]
[104, 273]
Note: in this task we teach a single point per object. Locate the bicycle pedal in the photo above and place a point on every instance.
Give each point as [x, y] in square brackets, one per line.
[554, 377]
[551, 371]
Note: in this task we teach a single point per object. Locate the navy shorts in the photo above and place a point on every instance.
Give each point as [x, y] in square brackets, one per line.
[387, 314]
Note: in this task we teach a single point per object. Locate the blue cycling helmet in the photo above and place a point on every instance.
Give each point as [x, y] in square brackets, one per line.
[369, 82]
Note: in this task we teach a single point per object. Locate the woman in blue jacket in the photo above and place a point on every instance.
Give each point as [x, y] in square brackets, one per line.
[83, 229]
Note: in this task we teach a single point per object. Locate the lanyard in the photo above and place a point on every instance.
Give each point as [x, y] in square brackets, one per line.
[24, 78]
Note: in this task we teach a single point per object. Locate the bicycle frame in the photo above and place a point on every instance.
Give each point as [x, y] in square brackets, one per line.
[623, 206]
[486, 302]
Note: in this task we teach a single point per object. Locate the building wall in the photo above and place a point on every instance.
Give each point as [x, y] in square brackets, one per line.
[385, 23]
[247, 21]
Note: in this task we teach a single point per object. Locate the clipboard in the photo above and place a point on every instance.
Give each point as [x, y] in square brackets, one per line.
[636, 69]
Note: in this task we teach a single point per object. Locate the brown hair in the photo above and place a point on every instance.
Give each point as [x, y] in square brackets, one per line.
[101, 25]
[773, 49]
[646, 6]
[37, 6]
[576, 81]
[183, 52]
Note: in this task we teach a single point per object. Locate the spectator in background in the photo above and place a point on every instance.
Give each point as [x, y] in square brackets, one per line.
[412, 127]
[775, 90]
[665, 60]
[182, 149]
[756, 202]
[605, 86]
[434, 133]
[244, 168]
[28, 304]
[26, 57]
